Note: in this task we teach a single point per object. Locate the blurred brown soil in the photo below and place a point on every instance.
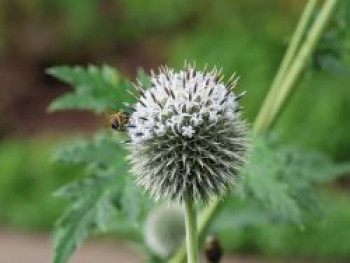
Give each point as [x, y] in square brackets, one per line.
[26, 92]
[25, 96]
[23, 248]
[18, 247]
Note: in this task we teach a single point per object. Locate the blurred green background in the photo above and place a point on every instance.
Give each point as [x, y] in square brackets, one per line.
[244, 36]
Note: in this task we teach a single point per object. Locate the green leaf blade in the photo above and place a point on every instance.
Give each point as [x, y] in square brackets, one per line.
[97, 89]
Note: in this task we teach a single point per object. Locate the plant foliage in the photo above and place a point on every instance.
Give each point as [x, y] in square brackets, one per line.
[278, 182]
[90, 211]
[96, 89]
[101, 200]
[334, 47]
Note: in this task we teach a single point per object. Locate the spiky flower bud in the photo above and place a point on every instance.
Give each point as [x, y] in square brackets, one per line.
[164, 230]
[187, 135]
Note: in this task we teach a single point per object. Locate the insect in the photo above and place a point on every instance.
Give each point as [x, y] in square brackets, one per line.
[118, 120]
[213, 250]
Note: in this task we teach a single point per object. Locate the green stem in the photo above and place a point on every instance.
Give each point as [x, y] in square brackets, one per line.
[204, 221]
[191, 231]
[301, 59]
[304, 21]
[280, 97]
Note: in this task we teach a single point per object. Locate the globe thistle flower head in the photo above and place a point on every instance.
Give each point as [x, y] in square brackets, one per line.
[187, 135]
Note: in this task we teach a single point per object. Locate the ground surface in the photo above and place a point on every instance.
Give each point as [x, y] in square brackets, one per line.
[29, 248]
[17, 247]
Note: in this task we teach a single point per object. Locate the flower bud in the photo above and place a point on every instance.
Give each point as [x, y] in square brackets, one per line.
[165, 230]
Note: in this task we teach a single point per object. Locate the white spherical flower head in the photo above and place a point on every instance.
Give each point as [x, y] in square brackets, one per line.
[187, 136]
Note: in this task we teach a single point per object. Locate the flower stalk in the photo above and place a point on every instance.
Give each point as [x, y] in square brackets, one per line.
[296, 39]
[269, 112]
[300, 61]
[191, 231]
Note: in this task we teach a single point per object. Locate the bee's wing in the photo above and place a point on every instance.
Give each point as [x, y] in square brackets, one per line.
[109, 112]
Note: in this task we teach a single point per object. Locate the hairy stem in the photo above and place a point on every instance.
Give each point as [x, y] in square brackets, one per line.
[304, 21]
[191, 231]
[276, 105]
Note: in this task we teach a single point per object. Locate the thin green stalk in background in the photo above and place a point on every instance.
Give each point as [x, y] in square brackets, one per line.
[191, 231]
[299, 33]
[277, 102]
[301, 59]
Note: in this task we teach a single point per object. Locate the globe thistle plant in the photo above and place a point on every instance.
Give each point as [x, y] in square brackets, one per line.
[188, 140]
[187, 134]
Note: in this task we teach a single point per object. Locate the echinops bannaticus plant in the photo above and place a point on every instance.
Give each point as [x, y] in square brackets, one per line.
[187, 143]
[188, 140]
[187, 134]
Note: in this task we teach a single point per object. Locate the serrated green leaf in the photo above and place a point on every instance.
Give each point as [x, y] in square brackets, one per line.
[81, 102]
[96, 89]
[89, 212]
[134, 203]
[241, 213]
[94, 209]
[68, 238]
[103, 219]
[101, 202]
[282, 179]
[275, 195]
[333, 64]
[80, 188]
[102, 151]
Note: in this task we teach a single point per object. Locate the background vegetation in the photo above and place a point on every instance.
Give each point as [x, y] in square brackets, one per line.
[131, 34]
